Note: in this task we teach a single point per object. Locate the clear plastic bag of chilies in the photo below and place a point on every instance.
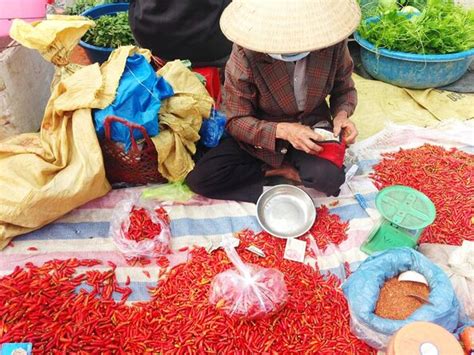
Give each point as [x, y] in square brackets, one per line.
[140, 229]
[248, 291]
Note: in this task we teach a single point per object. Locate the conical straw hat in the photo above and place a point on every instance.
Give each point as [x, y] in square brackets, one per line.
[289, 26]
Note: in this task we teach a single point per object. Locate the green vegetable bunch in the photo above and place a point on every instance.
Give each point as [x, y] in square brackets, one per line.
[111, 31]
[80, 6]
[442, 27]
[372, 8]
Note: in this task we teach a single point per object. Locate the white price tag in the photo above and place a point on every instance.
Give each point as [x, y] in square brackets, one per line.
[255, 250]
[295, 250]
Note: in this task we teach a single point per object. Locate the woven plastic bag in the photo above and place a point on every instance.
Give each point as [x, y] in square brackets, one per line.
[45, 175]
[248, 291]
[157, 246]
[362, 291]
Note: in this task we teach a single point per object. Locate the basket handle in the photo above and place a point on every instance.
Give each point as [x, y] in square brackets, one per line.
[131, 127]
[158, 62]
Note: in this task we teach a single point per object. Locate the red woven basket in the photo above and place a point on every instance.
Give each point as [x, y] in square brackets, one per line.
[138, 166]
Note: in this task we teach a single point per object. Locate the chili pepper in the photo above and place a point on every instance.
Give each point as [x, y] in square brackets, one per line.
[142, 227]
[178, 318]
[446, 177]
[334, 203]
[327, 229]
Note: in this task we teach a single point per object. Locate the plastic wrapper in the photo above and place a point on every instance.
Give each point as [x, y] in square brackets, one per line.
[362, 291]
[212, 129]
[248, 291]
[157, 246]
[458, 263]
[175, 191]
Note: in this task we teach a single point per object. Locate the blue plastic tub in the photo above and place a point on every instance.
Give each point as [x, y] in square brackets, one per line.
[101, 54]
[415, 71]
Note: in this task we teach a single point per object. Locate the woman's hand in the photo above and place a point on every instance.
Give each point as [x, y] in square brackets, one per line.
[301, 137]
[343, 123]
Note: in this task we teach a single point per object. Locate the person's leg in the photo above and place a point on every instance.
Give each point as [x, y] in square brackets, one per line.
[201, 151]
[227, 172]
[317, 173]
[285, 171]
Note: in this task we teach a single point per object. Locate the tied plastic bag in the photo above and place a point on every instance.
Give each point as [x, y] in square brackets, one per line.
[123, 230]
[212, 129]
[248, 291]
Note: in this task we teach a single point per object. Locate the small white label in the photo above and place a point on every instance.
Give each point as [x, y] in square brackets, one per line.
[295, 250]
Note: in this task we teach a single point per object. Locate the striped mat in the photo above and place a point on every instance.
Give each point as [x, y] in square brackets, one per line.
[83, 233]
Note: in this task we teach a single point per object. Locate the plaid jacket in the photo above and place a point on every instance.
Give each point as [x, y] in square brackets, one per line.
[259, 93]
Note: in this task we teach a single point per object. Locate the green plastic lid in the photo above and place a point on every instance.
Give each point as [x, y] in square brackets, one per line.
[406, 207]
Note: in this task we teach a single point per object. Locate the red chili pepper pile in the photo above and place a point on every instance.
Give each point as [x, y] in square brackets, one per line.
[446, 177]
[328, 228]
[39, 304]
[141, 226]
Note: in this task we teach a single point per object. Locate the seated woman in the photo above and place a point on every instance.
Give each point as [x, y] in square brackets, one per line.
[181, 29]
[273, 100]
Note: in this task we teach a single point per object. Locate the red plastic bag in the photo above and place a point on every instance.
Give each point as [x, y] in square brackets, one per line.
[334, 152]
[334, 148]
[248, 291]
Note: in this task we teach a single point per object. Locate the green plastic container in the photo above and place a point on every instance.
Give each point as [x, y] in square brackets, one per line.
[406, 213]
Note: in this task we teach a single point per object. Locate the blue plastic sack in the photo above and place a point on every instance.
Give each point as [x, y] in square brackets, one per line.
[138, 100]
[362, 290]
[212, 129]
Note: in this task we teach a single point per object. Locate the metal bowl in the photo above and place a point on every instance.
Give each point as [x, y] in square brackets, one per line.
[286, 211]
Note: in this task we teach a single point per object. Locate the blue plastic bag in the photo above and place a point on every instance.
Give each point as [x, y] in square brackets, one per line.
[362, 290]
[138, 100]
[212, 129]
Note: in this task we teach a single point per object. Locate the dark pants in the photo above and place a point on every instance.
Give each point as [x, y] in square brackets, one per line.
[228, 172]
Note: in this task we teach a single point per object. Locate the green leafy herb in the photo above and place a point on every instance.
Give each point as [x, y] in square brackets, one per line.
[80, 6]
[442, 27]
[111, 31]
[372, 8]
